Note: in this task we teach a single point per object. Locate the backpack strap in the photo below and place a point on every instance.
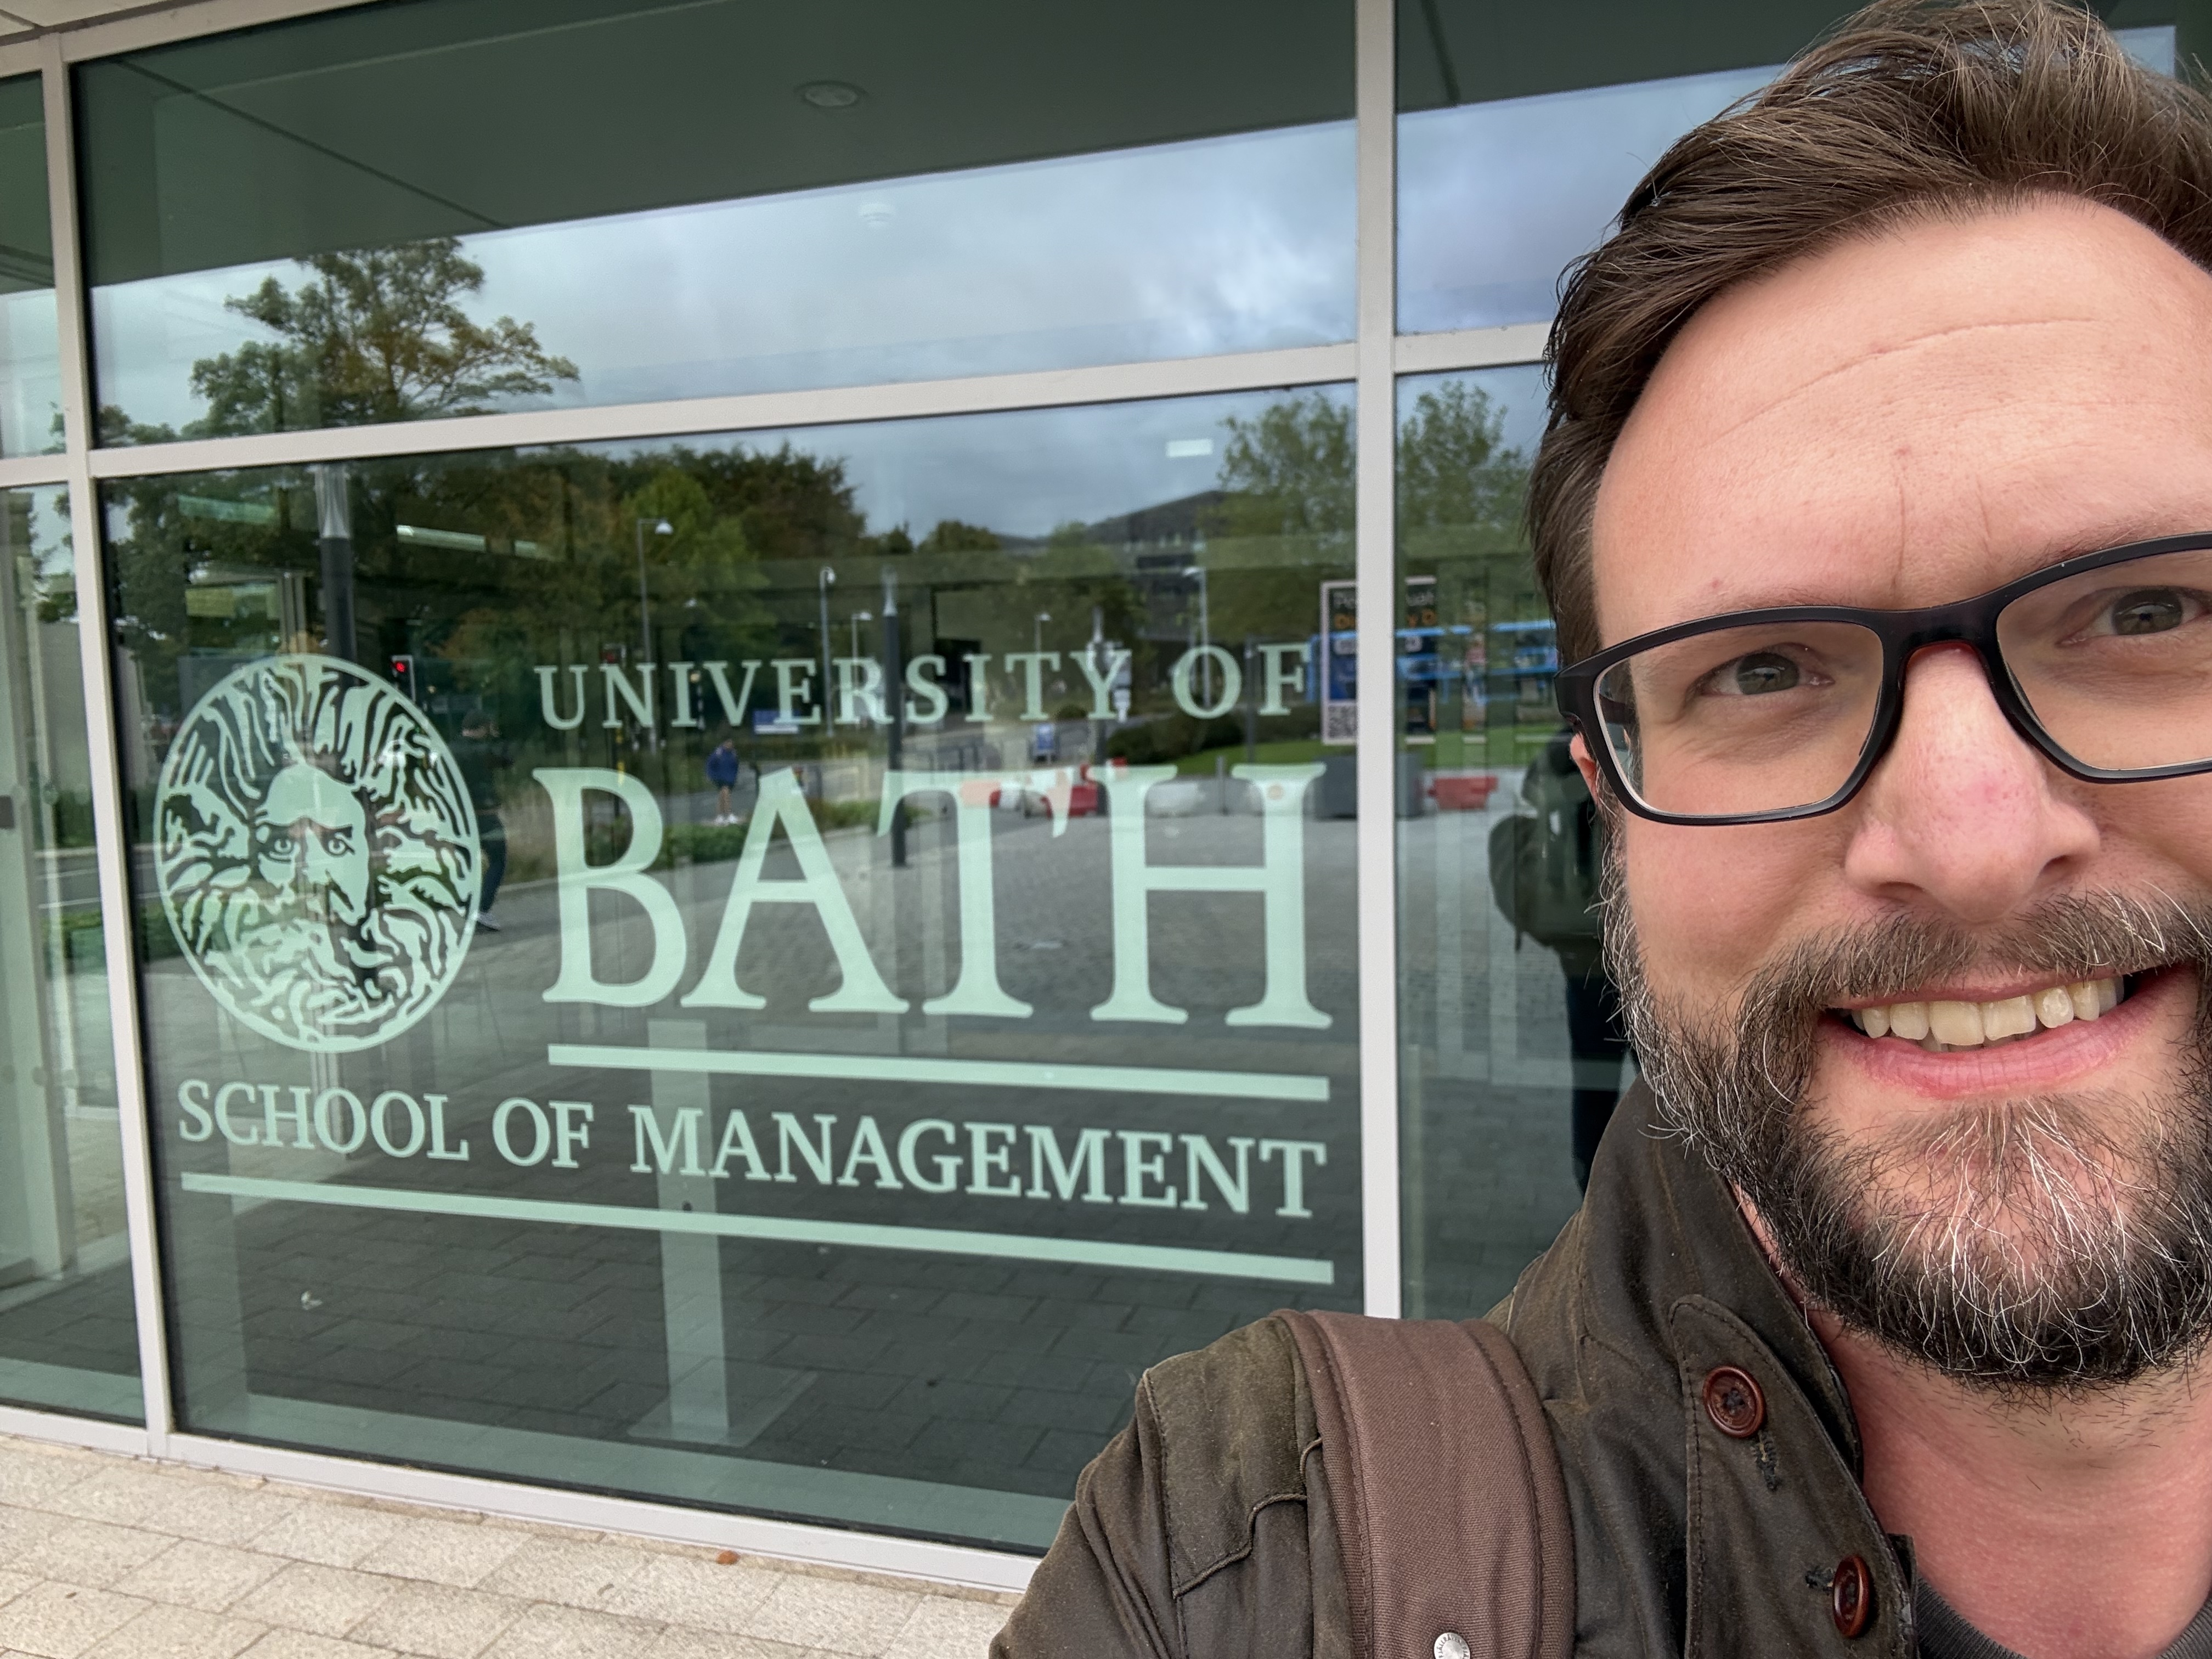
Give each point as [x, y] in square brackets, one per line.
[1451, 1512]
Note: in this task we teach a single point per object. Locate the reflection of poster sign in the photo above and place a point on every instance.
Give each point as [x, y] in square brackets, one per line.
[1340, 662]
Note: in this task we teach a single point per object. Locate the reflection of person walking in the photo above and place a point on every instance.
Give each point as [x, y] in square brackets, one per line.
[1544, 873]
[480, 754]
[722, 773]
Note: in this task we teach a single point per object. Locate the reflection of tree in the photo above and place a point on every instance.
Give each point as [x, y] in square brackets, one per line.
[376, 335]
[1288, 472]
[950, 536]
[1454, 472]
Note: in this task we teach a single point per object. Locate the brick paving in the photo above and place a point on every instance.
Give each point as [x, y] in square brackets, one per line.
[108, 1557]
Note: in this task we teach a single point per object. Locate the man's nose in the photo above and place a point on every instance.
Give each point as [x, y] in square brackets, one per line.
[1962, 812]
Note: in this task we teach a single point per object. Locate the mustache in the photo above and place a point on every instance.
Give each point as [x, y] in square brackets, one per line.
[2066, 937]
[2063, 938]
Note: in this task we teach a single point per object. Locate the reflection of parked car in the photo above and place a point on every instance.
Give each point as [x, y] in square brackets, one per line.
[1178, 798]
[1085, 797]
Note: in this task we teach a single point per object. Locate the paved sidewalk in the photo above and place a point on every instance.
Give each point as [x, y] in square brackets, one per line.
[105, 1557]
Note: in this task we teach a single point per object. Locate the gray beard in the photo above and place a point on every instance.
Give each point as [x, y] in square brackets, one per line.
[2033, 1246]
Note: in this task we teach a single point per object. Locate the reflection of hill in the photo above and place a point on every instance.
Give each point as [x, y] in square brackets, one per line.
[1180, 523]
[1177, 523]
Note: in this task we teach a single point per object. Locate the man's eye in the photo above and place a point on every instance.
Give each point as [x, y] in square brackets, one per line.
[1754, 675]
[2152, 610]
[280, 845]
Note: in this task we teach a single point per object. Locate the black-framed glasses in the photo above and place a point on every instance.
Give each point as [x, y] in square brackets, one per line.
[2102, 662]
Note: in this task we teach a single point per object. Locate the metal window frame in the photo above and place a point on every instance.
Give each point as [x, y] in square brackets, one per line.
[1372, 362]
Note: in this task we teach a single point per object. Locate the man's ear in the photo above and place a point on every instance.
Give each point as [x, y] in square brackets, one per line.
[1585, 763]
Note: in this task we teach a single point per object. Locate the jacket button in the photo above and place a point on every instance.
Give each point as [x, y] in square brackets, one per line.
[1734, 1402]
[1452, 1645]
[1850, 1596]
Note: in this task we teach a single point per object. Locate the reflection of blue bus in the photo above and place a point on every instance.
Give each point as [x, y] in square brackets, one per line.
[1524, 661]
[1517, 661]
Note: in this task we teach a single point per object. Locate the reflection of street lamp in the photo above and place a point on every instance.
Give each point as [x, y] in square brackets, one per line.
[1037, 632]
[1205, 630]
[855, 620]
[829, 580]
[660, 527]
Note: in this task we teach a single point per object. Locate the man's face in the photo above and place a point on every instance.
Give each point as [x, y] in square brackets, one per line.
[1899, 422]
[311, 840]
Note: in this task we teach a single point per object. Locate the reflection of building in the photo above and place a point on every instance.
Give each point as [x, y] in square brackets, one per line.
[815, 1182]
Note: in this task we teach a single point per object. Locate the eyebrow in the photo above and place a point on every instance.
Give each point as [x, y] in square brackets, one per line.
[1799, 593]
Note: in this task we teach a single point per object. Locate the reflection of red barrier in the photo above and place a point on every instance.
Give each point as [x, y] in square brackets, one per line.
[1462, 792]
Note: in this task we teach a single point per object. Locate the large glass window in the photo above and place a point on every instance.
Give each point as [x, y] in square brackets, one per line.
[1512, 1056]
[778, 971]
[68, 1339]
[1522, 130]
[609, 200]
[30, 350]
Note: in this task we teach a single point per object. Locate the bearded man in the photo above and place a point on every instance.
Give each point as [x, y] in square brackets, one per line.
[1876, 505]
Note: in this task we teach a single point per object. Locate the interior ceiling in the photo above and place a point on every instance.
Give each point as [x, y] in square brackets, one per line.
[440, 116]
[1466, 52]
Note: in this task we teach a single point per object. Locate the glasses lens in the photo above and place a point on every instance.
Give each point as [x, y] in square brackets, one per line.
[1759, 717]
[2116, 664]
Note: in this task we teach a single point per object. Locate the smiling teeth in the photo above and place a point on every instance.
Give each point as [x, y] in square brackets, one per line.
[1940, 1026]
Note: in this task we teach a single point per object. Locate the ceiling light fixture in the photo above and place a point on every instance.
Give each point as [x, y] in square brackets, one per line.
[831, 94]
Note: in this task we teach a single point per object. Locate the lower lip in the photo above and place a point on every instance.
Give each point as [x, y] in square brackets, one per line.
[2028, 1065]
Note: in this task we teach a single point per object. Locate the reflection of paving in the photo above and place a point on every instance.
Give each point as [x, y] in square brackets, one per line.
[1486, 1148]
[111, 1558]
[95, 1164]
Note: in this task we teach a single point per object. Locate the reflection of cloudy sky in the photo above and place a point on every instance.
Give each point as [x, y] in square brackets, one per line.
[1025, 471]
[1217, 244]
[1494, 199]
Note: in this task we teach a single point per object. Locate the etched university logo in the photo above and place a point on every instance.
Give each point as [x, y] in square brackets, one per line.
[317, 853]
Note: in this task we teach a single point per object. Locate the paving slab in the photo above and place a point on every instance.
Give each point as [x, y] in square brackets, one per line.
[111, 1557]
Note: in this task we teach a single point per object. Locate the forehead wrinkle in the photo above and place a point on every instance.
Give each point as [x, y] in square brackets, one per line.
[1873, 354]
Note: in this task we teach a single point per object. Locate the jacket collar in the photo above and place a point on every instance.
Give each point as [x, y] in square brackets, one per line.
[1689, 1538]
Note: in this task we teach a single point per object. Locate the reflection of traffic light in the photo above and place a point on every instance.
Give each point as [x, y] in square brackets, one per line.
[403, 676]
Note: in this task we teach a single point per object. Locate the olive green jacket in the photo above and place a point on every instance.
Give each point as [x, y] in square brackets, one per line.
[1203, 1530]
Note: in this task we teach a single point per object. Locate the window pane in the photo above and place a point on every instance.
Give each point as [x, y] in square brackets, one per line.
[1522, 130]
[30, 350]
[834, 1102]
[730, 196]
[1509, 1060]
[68, 1340]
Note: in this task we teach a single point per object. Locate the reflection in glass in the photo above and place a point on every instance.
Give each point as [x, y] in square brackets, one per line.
[1511, 1055]
[1498, 192]
[67, 1335]
[630, 202]
[775, 972]
[30, 347]
[1494, 199]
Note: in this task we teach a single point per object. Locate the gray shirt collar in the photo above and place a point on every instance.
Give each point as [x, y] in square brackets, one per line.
[1945, 1635]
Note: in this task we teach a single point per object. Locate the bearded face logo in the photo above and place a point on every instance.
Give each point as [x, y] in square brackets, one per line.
[316, 854]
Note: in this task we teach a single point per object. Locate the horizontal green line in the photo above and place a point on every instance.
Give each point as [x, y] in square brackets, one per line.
[918, 1068]
[1014, 1247]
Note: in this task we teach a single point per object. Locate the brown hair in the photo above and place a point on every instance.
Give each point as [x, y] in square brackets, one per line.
[1908, 109]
